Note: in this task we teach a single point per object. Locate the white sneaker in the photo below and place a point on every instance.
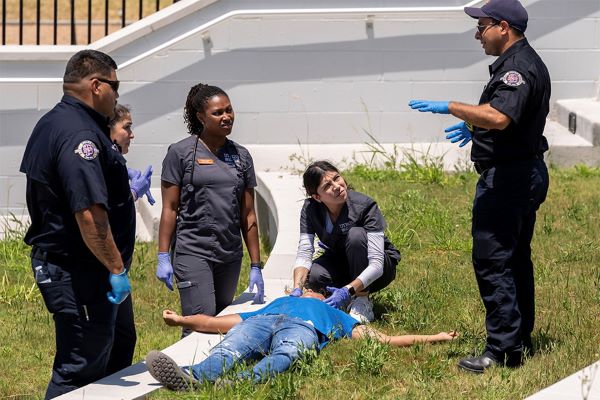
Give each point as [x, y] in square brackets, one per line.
[361, 309]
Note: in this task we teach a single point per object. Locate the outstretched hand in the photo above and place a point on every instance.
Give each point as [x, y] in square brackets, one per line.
[436, 107]
[461, 131]
[171, 317]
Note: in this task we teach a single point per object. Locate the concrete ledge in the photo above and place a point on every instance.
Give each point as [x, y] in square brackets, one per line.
[582, 385]
[587, 112]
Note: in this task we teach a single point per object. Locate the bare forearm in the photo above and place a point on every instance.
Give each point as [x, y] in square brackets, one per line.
[300, 275]
[249, 226]
[250, 234]
[364, 331]
[95, 231]
[201, 322]
[166, 229]
[483, 116]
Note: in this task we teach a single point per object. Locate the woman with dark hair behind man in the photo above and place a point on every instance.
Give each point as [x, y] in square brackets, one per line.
[207, 187]
[358, 259]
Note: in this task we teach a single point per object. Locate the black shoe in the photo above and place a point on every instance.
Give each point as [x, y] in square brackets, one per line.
[166, 372]
[477, 364]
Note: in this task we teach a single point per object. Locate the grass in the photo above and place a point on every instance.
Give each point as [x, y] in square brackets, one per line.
[428, 214]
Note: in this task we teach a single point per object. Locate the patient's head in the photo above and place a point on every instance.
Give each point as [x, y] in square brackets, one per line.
[315, 292]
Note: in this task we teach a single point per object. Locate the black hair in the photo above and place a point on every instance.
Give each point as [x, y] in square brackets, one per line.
[314, 173]
[87, 62]
[196, 101]
[121, 111]
[314, 287]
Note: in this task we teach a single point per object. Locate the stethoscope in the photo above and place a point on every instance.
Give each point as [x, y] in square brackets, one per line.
[190, 187]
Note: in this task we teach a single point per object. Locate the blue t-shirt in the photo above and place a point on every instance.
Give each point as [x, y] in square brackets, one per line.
[331, 323]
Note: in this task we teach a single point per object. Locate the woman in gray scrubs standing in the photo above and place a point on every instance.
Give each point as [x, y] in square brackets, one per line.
[207, 186]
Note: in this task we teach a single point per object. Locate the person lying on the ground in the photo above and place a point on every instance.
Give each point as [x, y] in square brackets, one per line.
[279, 333]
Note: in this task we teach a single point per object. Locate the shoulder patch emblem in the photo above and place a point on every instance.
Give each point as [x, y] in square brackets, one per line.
[87, 150]
[513, 78]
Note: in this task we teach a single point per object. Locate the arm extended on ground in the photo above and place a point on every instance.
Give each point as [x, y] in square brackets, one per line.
[201, 322]
[365, 331]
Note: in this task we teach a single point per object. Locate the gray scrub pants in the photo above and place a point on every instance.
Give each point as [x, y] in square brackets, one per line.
[205, 287]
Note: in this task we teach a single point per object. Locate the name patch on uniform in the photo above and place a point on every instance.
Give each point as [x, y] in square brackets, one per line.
[205, 161]
[513, 78]
[87, 150]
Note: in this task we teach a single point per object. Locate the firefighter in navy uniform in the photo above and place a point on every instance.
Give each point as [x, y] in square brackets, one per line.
[82, 220]
[508, 145]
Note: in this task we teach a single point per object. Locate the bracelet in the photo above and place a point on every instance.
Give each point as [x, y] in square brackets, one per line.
[258, 265]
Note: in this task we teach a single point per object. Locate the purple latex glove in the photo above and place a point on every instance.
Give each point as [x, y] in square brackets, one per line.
[120, 287]
[340, 297]
[256, 279]
[297, 292]
[140, 183]
[461, 131]
[436, 107]
[164, 269]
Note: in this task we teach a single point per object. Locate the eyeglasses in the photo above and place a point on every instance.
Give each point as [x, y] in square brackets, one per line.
[113, 84]
[482, 28]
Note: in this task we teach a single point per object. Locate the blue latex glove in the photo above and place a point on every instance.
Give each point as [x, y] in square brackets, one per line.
[120, 287]
[256, 279]
[340, 297]
[436, 107]
[140, 183]
[461, 131]
[297, 292]
[164, 269]
[133, 173]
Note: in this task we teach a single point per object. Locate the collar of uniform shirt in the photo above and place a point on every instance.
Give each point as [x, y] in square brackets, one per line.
[518, 45]
[100, 119]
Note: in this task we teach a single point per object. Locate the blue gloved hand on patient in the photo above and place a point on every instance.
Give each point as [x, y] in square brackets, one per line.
[164, 269]
[340, 297]
[140, 183]
[297, 292]
[120, 287]
[256, 279]
[461, 131]
[436, 107]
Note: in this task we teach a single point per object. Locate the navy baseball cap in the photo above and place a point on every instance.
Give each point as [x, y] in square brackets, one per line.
[511, 11]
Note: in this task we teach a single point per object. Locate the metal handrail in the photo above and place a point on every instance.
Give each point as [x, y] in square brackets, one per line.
[255, 12]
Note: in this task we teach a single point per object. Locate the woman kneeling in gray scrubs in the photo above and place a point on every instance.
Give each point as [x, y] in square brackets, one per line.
[207, 187]
[358, 258]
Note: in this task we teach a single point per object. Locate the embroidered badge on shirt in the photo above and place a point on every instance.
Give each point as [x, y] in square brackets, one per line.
[205, 161]
[513, 78]
[87, 150]
[233, 160]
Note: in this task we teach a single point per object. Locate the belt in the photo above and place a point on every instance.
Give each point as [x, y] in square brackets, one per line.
[481, 166]
[49, 257]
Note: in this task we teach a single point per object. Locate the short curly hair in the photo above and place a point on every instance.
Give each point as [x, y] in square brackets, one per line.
[196, 101]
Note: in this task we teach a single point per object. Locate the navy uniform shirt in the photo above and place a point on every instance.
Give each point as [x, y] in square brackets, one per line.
[360, 210]
[211, 190]
[520, 88]
[71, 164]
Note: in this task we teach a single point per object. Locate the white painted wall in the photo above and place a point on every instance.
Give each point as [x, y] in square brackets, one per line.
[317, 77]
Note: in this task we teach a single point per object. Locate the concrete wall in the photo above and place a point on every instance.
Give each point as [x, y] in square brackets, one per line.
[317, 77]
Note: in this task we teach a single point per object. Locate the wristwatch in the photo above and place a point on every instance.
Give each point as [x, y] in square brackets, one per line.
[258, 265]
[352, 291]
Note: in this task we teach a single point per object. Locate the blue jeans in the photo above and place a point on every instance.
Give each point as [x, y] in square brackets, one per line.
[279, 339]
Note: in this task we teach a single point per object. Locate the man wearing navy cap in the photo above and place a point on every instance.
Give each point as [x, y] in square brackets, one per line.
[508, 145]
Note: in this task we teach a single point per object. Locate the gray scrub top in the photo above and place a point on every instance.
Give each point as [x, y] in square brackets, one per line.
[208, 221]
